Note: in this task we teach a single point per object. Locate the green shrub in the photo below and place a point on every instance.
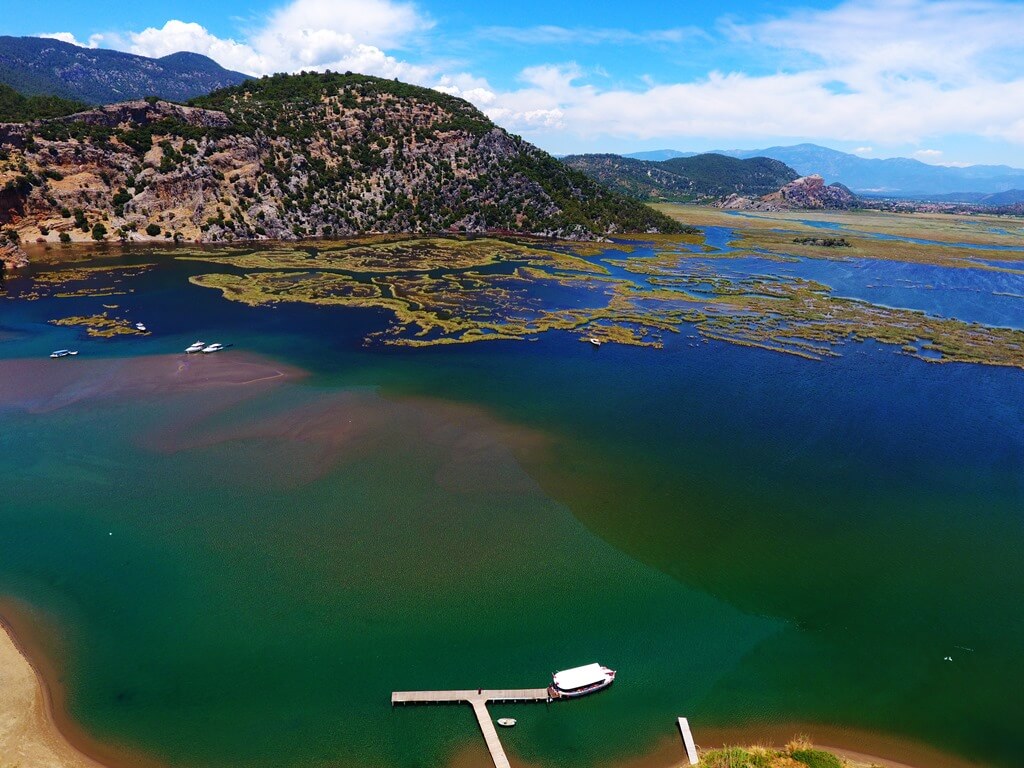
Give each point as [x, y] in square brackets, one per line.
[816, 758]
[64, 237]
[99, 232]
[153, 230]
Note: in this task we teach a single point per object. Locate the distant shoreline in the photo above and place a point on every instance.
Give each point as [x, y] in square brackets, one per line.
[45, 737]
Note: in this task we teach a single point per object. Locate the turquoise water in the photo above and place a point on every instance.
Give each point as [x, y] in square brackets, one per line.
[241, 576]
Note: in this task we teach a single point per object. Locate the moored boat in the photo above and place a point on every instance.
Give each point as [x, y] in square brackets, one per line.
[63, 353]
[579, 681]
[217, 347]
[506, 722]
[197, 347]
[595, 341]
[140, 327]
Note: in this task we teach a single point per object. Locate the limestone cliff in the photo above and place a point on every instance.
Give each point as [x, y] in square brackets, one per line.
[286, 157]
[807, 192]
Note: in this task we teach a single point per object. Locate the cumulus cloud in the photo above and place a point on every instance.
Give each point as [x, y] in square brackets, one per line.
[304, 34]
[276, 49]
[66, 37]
[886, 71]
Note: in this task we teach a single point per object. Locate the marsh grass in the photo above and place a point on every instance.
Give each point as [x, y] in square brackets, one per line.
[796, 754]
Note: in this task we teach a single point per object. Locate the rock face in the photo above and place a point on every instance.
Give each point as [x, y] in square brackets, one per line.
[807, 192]
[295, 156]
[11, 256]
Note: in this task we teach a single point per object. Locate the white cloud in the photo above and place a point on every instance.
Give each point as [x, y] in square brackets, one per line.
[67, 37]
[304, 34]
[555, 35]
[177, 35]
[928, 154]
[863, 150]
[882, 71]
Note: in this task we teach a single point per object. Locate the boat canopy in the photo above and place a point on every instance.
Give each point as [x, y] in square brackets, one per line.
[578, 677]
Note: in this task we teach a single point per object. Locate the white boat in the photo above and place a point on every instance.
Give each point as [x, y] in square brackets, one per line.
[63, 353]
[506, 722]
[596, 342]
[579, 681]
[197, 347]
[212, 348]
[140, 327]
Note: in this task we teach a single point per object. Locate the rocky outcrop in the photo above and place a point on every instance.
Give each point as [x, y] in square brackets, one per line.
[144, 112]
[11, 255]
[311, 155]
[805, 193]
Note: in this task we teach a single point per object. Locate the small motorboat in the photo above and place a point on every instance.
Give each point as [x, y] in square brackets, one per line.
[63, 353]
[140, 327]
[212, 348]
[506, 722]
[197, 347]
[595, 341]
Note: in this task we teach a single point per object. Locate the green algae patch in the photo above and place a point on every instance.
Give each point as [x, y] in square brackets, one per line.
[401, 255]
[439, 291]
[78, 282]
[102, 325]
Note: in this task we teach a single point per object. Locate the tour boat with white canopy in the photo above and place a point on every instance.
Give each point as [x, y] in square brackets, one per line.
[579, 681]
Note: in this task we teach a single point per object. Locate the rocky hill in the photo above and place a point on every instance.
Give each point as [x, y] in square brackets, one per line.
[807, 192]
[705, 177]
[286, 157]
[36, 66]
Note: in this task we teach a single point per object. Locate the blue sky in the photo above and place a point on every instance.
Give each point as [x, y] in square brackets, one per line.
[940, 80]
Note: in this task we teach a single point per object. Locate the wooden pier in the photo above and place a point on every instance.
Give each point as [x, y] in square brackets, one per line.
[478, 699]
[691, 748]
[468, 697]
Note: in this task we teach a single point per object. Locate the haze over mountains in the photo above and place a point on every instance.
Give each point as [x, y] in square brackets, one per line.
[897, 176]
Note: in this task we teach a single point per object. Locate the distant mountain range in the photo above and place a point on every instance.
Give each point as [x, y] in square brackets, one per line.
[695, 177]
[897, 176]
[36, 66]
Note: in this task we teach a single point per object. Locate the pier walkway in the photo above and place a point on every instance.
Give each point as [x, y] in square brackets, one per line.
[478, 699]
[468, 697]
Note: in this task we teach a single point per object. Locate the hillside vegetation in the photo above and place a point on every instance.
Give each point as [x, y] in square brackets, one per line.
[294, 156]
[683, 179]
[38, 66]
[15, 108]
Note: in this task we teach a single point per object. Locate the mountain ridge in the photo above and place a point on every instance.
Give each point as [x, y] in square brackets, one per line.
[897, 176]
[685, 179]
[36, 66]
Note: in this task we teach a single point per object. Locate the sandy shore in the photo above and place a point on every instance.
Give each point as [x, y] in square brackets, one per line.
[29, 737]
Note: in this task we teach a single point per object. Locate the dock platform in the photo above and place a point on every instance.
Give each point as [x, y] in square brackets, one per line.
[691, 748]
[478, 699]
[468, 697]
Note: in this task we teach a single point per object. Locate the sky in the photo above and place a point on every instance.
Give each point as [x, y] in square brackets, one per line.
[938, 80]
